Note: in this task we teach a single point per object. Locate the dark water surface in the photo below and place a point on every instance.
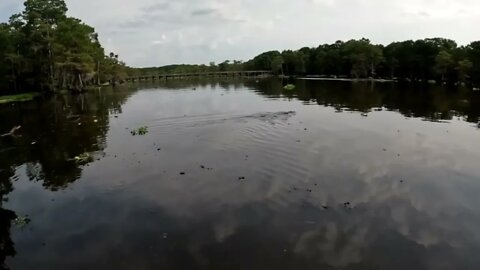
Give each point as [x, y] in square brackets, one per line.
[243, 175]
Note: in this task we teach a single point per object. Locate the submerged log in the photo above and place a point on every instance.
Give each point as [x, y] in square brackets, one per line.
[12, 131]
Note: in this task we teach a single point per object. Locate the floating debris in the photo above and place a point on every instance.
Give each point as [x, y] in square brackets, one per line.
[140, 131]
[83, 158]
[21, 221]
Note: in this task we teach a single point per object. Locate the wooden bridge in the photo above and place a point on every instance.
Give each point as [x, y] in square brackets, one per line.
[242, 74]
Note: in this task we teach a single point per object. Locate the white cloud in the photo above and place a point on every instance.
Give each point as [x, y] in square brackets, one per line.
[162, 40]
[157, 32]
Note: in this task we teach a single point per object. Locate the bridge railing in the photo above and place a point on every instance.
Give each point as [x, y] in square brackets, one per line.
[199, 74]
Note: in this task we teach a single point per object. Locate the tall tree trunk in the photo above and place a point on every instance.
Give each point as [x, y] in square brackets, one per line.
[98, 72]
[14, 79]
[80, 82]
[50, 63]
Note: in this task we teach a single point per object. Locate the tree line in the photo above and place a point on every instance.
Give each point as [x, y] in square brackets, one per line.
[437, 59]
[42, 49]
[227, 65]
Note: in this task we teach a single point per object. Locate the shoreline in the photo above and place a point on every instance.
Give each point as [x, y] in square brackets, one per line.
[345, 79]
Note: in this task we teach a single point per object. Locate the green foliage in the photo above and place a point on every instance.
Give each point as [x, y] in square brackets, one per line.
[277, 65]
[140, 131]
[464, 68]
[294, 62]
[443, 62]
[431, 59]
[45, 50]
[435, 59]
[44, 11]
[227, 65]
[18, 98]
[473, 54]
[21, 222]
[263, 61]
[364, 57]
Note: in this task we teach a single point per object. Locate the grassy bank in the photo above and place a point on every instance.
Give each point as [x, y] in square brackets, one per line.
[18, 98]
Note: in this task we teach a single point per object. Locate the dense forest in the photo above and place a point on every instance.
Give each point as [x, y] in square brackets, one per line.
[421, 60]
[424, 60]
[42, 49]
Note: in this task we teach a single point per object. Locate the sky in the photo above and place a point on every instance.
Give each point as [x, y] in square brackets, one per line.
[161, 32]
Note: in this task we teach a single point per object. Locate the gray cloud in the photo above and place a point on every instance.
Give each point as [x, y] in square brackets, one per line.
[424, 14]
[202, 12]
[158, 6]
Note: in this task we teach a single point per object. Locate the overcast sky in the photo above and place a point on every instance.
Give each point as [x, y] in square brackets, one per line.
[159, 32]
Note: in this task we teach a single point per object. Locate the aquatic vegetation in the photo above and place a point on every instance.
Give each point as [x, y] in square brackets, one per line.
[289, 87]
[83, 158]
[140, 131]
[21, 221]
[18, 98]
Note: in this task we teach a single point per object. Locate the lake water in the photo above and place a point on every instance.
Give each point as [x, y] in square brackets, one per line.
[243, 175]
